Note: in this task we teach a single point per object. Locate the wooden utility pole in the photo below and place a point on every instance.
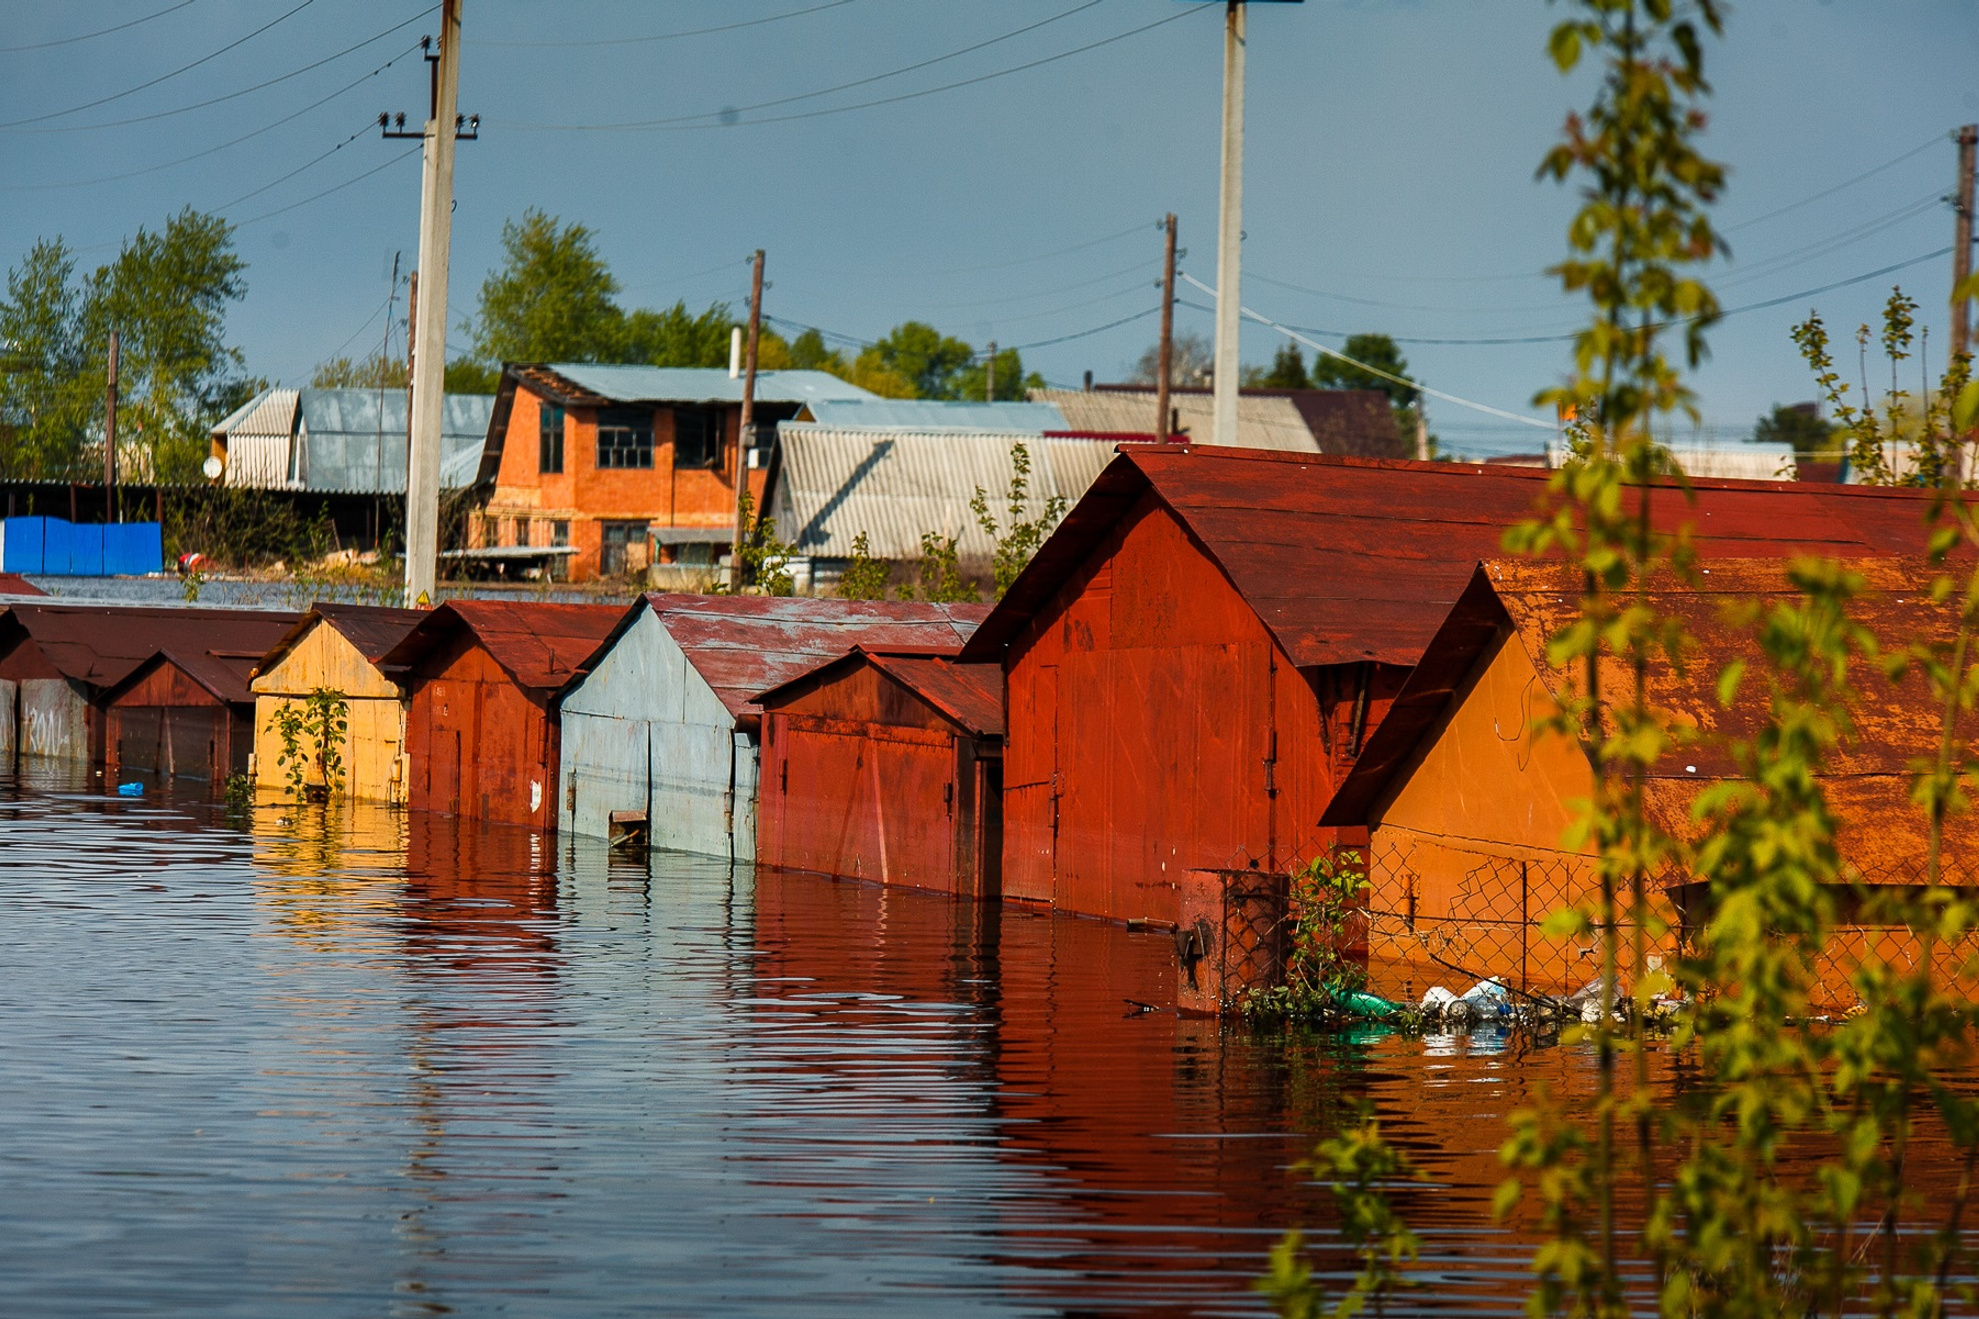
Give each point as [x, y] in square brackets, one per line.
[110, 437]
[429, 340]
[1968, 136]
[745, 432]
[989, 374]
[1164, 366]
[1230, 230]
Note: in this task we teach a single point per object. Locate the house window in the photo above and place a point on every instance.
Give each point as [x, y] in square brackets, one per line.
[625, 438]
[560, 533]
[549, 440]
[697, 438]
[615, 543]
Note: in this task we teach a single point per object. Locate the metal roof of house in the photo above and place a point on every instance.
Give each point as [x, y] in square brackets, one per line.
[1263, 421]
[1351, 559]
[894, 485]
[271, 412]
[372, 629]
[743, 645]
[971, 695]
[223, 675]
[100, 645]
[695, 384]
[354, 440]
[1867, 776]
[929, 415]
[541, 646]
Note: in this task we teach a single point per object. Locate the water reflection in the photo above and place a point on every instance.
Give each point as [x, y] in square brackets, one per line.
[270, 1061]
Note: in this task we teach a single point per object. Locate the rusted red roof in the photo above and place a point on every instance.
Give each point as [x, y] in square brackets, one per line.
[224, 675]
[100, 645]
[541, 646]
[742, 645]
[1868, 776]
[373, 629]
[12, 583]
[970, 694]
[1349, 559]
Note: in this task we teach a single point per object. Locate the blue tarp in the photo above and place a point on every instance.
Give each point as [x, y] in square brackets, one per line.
[53, 547]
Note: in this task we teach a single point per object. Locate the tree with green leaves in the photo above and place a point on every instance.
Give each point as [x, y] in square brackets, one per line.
[1287, 371]
[374, 372]
[1017, 541]
[551, 300]
[1375, 350]
[928, 361]
[1012, 384]
[676, 336]
[1799, 425]
[938, 573]
[864, 578]
[166, 295]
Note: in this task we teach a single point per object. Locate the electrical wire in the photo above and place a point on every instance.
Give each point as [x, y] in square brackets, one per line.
[663, 36]
[1922, 147]
[1138, 268]
[311, 163]
[994, 265]
[235, 95]
[255, 219]
[1085, 334]
[1834, 242]
[232, 142]
[1376, 371]
[731, 111]
[163, 77]
[100, 32]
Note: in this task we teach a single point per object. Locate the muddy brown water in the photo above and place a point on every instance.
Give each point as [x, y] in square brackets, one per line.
[278, 1063]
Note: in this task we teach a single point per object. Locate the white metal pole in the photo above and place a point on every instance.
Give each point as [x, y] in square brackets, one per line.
[1230, 229]
[429, 361]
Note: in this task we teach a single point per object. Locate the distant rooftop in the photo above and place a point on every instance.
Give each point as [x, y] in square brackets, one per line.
[926, 415]
[692, 384]
[344, 441]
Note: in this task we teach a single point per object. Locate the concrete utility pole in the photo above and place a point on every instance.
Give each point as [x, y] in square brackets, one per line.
[110, 438]
[1230, 229]
[745, 431]
[1968, 136]
[429, 347]
[1164, 365]
[989, 374]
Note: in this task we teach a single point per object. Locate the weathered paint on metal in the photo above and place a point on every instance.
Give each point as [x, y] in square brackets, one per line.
[665, 721]
[181, 716]
[1450, 793]
[886, 768]
[67, 656]
[337, 648]
[483, 677]
[1207, 642]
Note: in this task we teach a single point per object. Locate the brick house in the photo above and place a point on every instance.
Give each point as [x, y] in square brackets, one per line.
[627, 464]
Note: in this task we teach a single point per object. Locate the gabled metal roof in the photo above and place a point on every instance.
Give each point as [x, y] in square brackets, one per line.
[372, 629]
[222, 675]
[1351, 559]
[271, 412]
[742, 645]
[693, 384]
[970, 694]
[894, 485]
[932, 415]
[1264, 421]
[353, 440]
[541, 646]
[100, 645]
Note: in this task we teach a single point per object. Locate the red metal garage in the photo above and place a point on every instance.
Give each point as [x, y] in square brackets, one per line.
[483, 677]
[888, 767]
[185, 716]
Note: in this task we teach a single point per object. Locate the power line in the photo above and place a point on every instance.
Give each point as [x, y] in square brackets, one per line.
[100, 32]
[1376, 371]
[235, 95]
[254, 219]
[1934, 140]
[1084, 334]
[730, 112]
[999, 265]
[312, 162]
[1139, 267]
[663, 36]
[1821, 247]
[163, 77]
[233, 142]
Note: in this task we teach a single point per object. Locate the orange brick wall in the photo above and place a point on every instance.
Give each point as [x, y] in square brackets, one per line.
[526, 501]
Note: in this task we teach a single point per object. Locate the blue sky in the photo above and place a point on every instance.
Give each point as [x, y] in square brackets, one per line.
[1390, 165]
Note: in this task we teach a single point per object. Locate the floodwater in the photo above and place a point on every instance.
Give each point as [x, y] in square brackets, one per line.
[275, 1063]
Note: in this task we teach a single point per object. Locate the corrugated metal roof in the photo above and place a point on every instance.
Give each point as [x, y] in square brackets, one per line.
[970, 694]
[100, 645]
[1349, 559]
[1867, 777]
[834, 484]
[1263, 421]
[692, 384]
[372, 629]
[271, 412]
[353, 440]
[922, 414]
[744, 645]
[541, 646]
[1732, 462]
